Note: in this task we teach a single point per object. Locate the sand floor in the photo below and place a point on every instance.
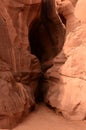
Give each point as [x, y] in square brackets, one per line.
[44, 118]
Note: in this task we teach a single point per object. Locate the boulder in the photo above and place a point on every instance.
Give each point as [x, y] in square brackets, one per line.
[65, 81]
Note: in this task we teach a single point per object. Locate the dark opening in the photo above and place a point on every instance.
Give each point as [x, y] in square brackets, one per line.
[43, 49]
[46, 40]
[40, 42]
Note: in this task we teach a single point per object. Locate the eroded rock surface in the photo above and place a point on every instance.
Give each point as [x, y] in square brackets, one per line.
[15, 100]
[19, 74]
[65, 81]
[20, 69]
[80, 9]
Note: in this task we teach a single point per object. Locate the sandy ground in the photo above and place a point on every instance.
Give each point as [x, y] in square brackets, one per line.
[44, 118]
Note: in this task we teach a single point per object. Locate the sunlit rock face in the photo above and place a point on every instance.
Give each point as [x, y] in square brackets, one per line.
[73, 76]
[80, 10]
[65, 81]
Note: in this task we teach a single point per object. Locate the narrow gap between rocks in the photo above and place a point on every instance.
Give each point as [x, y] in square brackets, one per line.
[45, 46]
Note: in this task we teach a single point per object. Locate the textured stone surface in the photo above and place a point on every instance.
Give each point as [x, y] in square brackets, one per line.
[80, 9]
[19, 73]
[15, 99]
[31, 40]
[20, 69]
[66, 79]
